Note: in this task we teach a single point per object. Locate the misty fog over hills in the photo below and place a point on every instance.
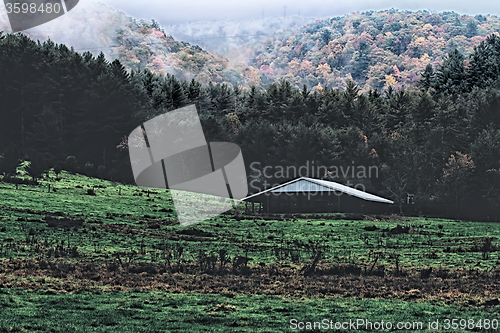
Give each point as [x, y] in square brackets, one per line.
[222, 36]
[375, 49]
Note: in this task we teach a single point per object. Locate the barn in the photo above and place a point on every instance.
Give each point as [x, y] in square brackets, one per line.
[308, 195]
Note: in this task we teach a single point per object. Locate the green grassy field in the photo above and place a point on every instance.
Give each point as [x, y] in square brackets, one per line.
[165, 312]
[92, 255]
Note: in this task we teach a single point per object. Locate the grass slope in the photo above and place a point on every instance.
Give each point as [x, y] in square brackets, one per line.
[119, 261]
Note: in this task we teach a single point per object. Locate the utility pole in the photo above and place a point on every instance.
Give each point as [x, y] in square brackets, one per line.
[284, 11]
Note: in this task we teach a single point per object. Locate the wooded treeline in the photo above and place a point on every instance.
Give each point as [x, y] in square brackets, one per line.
[439, 140]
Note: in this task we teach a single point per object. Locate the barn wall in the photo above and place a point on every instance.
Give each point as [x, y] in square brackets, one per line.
[325, 202]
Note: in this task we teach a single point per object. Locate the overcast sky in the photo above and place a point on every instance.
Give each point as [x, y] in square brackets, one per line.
[173, 12]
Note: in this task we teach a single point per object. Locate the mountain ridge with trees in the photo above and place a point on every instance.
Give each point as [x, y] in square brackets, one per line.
[375, 49]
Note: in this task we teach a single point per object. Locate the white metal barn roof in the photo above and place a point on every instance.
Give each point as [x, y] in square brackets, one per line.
[304, 184]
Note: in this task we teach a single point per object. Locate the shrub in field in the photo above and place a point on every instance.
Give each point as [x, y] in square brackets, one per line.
[18, 181]
[240, 261]
[71, 164]
[58, 169]
[425, 273]
[37, 167]
[88, 169]
[143, 267]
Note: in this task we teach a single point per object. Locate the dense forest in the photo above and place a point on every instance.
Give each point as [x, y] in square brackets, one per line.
[373, 49]
[438, 139]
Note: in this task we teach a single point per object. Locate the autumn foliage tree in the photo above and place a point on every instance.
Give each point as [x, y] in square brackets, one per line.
[455, 183]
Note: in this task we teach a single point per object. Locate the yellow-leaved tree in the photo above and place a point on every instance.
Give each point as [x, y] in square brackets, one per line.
[456, 179]
[390, 81]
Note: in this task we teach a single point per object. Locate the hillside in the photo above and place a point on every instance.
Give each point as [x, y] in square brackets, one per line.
[375, 49]
[96, 27]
